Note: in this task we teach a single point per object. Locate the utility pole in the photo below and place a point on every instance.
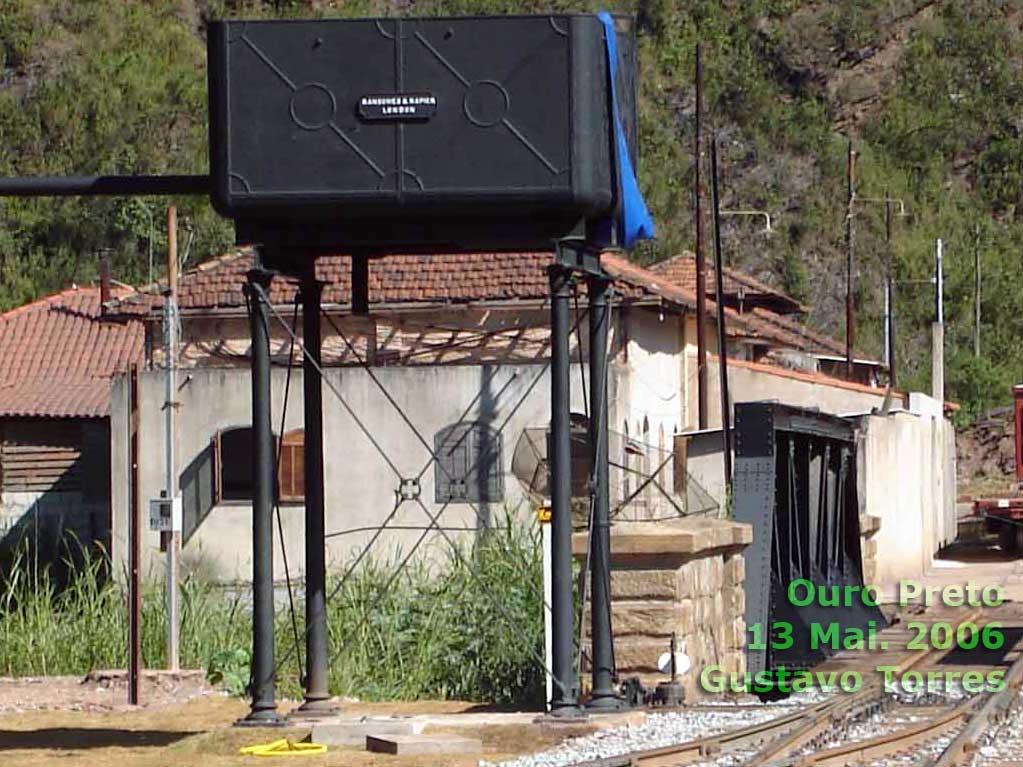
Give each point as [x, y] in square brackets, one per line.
[976, 291]
[173, 537]
[701, 266]
[850, 314]
[889, 292]
[938, 328]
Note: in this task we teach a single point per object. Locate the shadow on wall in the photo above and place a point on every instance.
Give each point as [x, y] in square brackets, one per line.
[51, 529]
[54, 492]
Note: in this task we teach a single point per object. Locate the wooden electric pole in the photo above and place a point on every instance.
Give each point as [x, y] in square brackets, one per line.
[701, 266]
[850, 312]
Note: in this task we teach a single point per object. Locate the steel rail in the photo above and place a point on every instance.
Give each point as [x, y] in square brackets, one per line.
[852, 705]
[698, 748]
[789, 732]
[961, 750]
[891, 743]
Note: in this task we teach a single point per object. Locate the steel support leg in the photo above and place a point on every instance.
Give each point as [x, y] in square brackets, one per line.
[317, 695]
[604, 695]
[264, 707]
[565, 700]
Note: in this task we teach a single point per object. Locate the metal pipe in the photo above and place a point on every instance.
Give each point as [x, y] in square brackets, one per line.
[170, 405]
[603, 694]
[719, 274]
[317, 695]
[264, 708]
[701, 265]
[70, 186]
[565, 700]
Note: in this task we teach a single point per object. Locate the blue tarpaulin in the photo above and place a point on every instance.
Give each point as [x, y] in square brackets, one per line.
[635, 222]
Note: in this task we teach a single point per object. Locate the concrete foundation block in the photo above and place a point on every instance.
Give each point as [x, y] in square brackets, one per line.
[412, 745]
[353, 732]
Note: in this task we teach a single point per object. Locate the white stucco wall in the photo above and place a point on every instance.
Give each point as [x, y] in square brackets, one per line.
[360, 486]
[644, 384]
[907, 479]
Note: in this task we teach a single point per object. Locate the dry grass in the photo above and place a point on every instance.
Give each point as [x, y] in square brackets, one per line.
[200, 733]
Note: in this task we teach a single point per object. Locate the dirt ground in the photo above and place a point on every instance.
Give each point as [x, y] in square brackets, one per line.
[69, 721]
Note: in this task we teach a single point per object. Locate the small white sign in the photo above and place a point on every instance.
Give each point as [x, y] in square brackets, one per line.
[165, 514]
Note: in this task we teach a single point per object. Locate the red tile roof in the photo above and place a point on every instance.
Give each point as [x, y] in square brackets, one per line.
[485, 277]
[476, 277]
[681, 270]
[800, 335]
[769, 314]
[57, 356]
[404, 279]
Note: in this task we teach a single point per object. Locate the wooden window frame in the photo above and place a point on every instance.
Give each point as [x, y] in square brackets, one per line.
[289, 472]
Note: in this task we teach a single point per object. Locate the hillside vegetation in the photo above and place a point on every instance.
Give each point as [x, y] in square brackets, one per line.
[930, 93]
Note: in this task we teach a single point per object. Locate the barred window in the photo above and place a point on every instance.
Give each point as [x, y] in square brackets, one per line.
[468, 467]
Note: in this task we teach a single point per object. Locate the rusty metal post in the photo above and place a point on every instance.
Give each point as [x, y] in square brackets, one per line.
[134, 541]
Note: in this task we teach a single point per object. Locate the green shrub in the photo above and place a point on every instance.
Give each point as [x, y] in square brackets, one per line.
[463, 623]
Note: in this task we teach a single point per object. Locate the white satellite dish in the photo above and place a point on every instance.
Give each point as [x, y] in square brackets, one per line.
[682, 662]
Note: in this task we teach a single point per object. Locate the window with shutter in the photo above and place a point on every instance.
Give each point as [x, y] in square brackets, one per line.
[233, 479]
[236, 464]
[291, 470]
[468, 467]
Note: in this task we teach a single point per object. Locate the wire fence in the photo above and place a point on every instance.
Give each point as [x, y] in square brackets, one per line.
[647, 482]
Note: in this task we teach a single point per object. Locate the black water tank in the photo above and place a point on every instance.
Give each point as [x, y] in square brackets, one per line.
[458, 133]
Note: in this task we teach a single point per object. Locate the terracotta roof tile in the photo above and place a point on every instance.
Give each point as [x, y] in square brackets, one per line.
[397, 279]
[57, 356]
[681, 270]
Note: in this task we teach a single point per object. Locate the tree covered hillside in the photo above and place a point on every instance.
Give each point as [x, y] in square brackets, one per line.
[931, 94]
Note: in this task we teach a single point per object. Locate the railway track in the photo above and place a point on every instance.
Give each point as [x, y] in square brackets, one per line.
[869, 727]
